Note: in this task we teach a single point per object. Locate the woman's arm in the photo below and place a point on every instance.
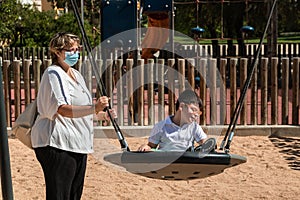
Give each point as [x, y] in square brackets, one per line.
[75, 111]
[81, 111]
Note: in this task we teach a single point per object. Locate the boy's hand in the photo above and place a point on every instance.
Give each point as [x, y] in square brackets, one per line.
[144, 147]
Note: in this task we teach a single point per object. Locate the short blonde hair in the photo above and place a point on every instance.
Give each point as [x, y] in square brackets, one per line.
[60, 41]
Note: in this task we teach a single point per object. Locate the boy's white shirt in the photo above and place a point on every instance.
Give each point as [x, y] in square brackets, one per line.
[171, 137]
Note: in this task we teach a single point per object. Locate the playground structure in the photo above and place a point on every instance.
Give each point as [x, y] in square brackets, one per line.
[114, 46]
[123, 37]
[121, 16]
[118, 17]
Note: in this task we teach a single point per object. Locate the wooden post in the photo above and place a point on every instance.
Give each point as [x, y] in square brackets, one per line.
[202, 70]
[13, 53]
[161, 89]
[47, 63]
[171, 87]
[295, 100]
[109, 78]
[6, 54]
[254, 98]
[264, 91]
[120, 87]
[6, 64]
[99, 86]
[27, 81]
[181, 75]
[191, 72]
[42, 59]
[150, 91]
[140, 92]
[88, 75]
[285, 91]
[37, 75]
[33, 57]
[212, 66]
[233, 78]
[129, 66]
[243, 77]
[223, 90]
[274, 91]
[17, 87]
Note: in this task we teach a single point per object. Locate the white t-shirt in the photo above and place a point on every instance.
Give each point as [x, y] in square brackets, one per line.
[50, 128]
[171, 137]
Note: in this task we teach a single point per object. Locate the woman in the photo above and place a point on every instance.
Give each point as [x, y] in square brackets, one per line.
[63, 133]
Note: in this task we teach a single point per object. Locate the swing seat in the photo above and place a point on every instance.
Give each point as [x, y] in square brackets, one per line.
[197, 30]
[247, 29]
[169, 165]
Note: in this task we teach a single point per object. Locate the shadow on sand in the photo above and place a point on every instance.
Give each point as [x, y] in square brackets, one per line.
[290, 147]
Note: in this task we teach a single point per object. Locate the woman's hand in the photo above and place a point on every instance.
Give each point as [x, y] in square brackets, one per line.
[102, 115]
[101, 104]
[112, 113]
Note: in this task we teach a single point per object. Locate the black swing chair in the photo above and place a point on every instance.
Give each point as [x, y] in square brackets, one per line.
[202, 162]
[172, 165]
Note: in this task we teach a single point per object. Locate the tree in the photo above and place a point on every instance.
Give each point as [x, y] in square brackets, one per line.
[235, 15]
[12, 13]
[22, 25]
[289, 16]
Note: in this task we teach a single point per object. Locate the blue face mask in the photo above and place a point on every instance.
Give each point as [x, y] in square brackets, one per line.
[71, 58]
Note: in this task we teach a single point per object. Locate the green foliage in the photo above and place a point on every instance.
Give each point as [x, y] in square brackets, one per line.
[39, 31]
[10, 21]
[235, 15]
[185, 18]
[23, 26]
[289, 16]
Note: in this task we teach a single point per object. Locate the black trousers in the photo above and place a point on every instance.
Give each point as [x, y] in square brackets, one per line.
[64, 172]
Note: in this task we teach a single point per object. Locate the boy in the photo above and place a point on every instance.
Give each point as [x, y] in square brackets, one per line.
[178, 132]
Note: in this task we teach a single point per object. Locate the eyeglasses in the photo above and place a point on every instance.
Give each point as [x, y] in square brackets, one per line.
[193, 109]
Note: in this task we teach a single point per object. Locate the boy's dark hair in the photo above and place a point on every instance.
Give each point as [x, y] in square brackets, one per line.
[189, 97]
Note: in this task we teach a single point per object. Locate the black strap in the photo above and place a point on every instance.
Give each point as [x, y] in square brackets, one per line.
[239, 106]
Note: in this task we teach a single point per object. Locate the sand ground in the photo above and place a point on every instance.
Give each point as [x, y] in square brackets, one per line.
[272, 171]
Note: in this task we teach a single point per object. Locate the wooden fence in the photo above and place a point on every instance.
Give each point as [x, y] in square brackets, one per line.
[289, 50]
[144, 91]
